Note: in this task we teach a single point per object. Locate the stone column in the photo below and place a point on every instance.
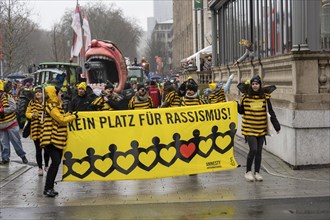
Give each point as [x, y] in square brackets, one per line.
[299, 25]
[306, 23]
[214, 39]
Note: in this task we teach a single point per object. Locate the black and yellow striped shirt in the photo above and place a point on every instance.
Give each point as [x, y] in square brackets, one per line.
[101, 104]
[254, 119]
[52, 131]
[143, 104]
[34, 107]
[8, 117]
[189, 101]
[218, 96]
[173, 99]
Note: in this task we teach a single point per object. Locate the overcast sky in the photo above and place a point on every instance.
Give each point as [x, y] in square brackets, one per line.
[48, 12]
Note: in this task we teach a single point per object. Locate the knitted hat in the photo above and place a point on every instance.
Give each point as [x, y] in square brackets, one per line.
[109, 86]
[256, 79]
[192, 87]
[37, 88]
[140, 86]
[82, 85]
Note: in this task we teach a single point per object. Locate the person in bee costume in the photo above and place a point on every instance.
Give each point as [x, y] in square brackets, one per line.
[249, 52]
[9, 129]
[34, 114]
[253, 108]
[54, 133]
[141, 99]
[216, 91]
[108, 100]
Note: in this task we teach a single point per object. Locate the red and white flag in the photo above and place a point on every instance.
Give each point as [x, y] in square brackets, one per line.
[87, 32]
[77, 39]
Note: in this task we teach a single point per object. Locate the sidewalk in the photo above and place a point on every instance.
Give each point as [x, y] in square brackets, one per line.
[276, 167]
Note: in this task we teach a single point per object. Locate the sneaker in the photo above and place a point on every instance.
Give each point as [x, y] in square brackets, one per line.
[258, 177]
[249, 176]
[46, 169]
[4, 162]
[50, 193]
[40, 172]
[24, 160]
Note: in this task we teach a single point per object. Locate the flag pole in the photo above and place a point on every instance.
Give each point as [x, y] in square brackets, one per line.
[82, 52]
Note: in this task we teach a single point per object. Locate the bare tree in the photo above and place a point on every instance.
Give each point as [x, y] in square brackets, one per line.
[16, 27]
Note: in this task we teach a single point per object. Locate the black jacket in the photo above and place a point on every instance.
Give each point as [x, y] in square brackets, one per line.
[80, 103]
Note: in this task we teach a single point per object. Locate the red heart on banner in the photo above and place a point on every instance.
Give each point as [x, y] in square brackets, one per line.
[187, 150]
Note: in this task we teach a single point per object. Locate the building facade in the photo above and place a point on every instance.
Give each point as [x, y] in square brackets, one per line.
[183, 31]
[163, 33]
[291, 47]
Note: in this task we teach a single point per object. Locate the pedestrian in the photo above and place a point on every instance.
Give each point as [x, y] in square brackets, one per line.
[191, 97]
[154, 93]
[34, 114]
[108, 100]
[216, 91]
[207, 64]
[253, 107]
[9, 129]
[141, 99]
[173, 96]
[54, 134]
[81, 102]
[249, 52]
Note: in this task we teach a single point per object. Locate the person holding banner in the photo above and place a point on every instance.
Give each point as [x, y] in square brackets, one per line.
[172, 97]
[81, 102]
[141, 99]
[33, 113]
[253, 107]
[54, 134]
[191, 97]
[108, 100]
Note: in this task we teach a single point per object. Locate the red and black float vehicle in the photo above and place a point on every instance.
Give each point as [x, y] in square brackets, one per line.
[105, 63]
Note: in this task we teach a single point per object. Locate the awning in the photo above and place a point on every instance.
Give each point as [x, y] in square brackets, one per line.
[200, 54]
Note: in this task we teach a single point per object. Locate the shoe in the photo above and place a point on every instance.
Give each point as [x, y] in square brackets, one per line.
[249, 176]
[24, 160]
[50, 193]
[46, 169]
[4, 162]
[258, 177]
[40, 172]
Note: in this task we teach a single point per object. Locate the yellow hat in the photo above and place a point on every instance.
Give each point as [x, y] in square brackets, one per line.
[212, 86]
[2, 85]
[245, 42]
[82, 86]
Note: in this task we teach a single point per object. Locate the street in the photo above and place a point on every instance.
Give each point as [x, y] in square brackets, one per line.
[284, 194]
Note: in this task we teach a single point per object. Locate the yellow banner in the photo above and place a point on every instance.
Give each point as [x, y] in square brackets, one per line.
[151, 143]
